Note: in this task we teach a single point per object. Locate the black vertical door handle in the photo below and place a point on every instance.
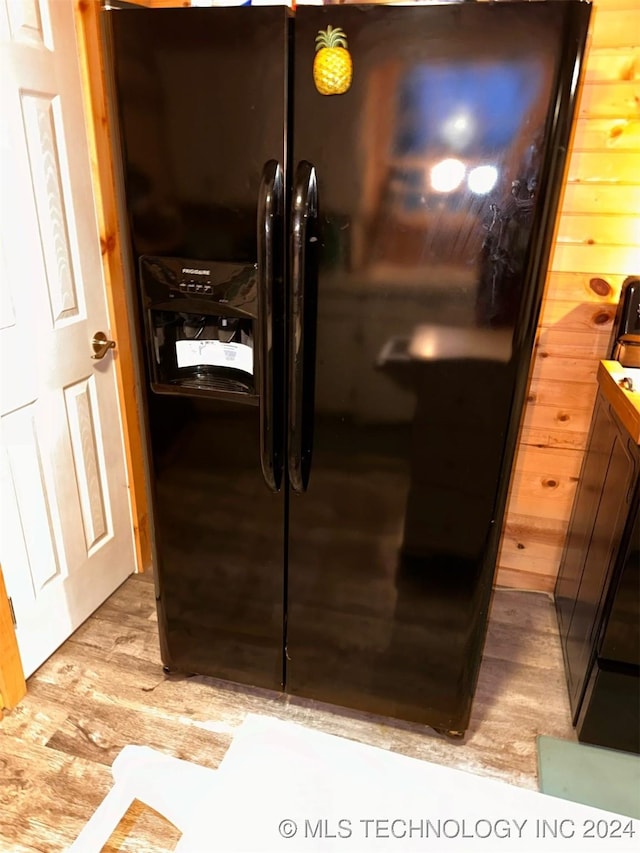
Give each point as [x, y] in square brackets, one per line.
[270, 347]
[303, 267]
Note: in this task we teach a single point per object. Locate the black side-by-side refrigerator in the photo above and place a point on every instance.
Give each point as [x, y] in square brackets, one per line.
[340, 223]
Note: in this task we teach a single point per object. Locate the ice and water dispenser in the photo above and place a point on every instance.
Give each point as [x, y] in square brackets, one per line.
[200, 321]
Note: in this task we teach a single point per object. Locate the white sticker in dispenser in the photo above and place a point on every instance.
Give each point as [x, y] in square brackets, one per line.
[215, 354]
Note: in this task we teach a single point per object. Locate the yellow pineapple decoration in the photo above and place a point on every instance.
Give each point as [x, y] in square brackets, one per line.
[332, 65]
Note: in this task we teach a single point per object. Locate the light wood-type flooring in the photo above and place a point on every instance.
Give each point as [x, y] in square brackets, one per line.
[104, 688]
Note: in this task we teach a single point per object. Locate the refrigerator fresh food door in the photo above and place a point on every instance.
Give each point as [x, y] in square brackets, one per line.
[437, 137]
[201, 97]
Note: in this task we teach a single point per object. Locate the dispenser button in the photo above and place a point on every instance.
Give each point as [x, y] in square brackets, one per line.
[208, 288]
[191, 286]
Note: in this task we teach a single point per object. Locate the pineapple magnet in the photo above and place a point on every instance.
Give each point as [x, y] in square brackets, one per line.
[332, 65]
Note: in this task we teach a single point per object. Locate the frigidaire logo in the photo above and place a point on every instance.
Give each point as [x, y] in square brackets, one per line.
[196, 272]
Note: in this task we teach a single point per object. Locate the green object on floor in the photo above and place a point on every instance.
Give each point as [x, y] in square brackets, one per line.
[605, 778]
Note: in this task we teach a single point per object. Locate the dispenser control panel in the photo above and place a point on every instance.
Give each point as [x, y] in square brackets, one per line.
[198, 287]
[233, 284]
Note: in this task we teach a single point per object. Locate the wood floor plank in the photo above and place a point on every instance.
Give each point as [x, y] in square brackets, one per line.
[120, 637]
[46, 795]
[98, 731]
[34, 722]
[105, 688]
[142, 829]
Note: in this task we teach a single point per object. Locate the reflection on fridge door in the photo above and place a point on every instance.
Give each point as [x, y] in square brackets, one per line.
[337, 299]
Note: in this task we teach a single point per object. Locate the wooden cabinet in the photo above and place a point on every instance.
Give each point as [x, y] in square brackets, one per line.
[594, 591]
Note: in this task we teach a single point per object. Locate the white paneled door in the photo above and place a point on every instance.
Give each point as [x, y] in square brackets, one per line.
[66, 540]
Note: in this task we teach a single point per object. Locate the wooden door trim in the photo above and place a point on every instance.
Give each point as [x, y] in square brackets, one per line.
[103, 172]
[12, 683]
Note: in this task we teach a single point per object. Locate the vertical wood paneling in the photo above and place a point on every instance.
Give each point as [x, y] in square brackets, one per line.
[114, 263]
[597, 245]
[12, 684]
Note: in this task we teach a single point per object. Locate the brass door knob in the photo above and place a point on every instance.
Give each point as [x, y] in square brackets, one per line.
[100, 343]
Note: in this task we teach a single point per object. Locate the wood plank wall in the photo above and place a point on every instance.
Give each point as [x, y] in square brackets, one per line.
[597, 245]
[104, 181]
[12, 683]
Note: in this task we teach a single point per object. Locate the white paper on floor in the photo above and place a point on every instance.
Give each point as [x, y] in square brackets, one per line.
[282, 787]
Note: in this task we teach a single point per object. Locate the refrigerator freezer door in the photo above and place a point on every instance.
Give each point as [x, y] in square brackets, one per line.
[202, 106]
[303, 283]
[437, 136]
[270, 338]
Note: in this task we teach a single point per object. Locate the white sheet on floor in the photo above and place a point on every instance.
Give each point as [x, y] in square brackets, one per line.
[282, 787]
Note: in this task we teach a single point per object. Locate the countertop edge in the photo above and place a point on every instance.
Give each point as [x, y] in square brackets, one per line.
[625, 404]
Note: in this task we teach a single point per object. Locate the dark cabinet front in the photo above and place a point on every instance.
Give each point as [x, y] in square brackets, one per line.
[597, 616]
